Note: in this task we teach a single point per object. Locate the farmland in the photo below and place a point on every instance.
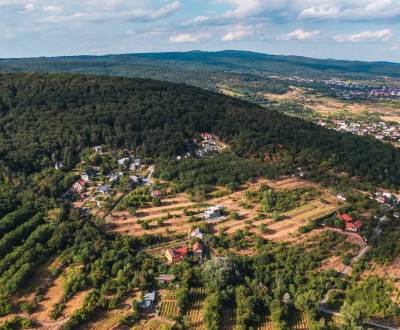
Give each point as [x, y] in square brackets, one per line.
[176, 222]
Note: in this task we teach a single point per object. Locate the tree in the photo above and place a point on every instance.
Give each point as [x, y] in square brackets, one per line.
[354, 315]
[182, 298]
[212, 311]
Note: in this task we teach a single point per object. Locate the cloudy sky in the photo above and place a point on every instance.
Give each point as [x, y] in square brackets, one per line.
[344, 29]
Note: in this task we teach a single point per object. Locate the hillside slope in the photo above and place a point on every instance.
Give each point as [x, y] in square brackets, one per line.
[42, 115]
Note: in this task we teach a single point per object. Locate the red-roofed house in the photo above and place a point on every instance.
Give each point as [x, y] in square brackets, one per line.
[355, 227]
[176, 254]
[206, 136]
[345, 217]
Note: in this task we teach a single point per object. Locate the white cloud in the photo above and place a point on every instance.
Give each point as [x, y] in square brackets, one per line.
[238, 34]
[148, 15]
[29, 7]
[381, 35]
[300, 34]
[320, 12]
[51, 9]
[188, 38]
[105, 13]
[249, 11]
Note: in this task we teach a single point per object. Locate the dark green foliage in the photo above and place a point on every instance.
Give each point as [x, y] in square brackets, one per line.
[281, 201]
[13, 219]
[159, 119]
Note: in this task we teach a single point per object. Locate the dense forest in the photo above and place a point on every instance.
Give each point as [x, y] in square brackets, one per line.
[44, 118]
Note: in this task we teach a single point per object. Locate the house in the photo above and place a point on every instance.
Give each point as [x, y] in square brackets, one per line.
[103, 189]
[115, 177]
[165, 278]
[156, 193]
[206, 136]
[354, 226]
[148, 300]
[88, 174]
[176, 254]
[213, 212]
[196, 233]
[198, 249]
[135, 179]
[58, 165]
[135, 165]
[123, 161]
[79, 186]
[344, 217]
[98, 149]
[341, 197]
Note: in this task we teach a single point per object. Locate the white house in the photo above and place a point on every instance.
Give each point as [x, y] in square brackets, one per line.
[213, 212]
[123, 161]
[196, 233]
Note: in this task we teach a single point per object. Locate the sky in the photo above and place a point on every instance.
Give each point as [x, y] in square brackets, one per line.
[342, 29]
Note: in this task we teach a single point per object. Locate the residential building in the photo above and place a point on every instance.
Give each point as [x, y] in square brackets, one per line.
[79, 186]
[148, 300]
[213, 212]
[196, 233]
[176, 254]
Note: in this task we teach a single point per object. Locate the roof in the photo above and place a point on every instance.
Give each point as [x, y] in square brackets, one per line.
[345, 217]
[166, 277]
[179, 252]
[356, 225]
[197, 247]
[196, 232]
[156, 192]
[103, 188]
[151, 296]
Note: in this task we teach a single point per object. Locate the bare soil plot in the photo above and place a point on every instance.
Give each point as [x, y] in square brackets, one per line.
[75, 303]
[329, 105]
[53, 295]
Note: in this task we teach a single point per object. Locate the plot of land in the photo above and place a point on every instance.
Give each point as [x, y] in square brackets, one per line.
[329, 105]
[178, 224]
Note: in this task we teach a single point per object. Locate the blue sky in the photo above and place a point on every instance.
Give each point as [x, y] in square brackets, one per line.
[344, 29]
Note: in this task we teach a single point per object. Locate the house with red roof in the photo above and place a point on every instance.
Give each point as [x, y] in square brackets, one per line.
[354, 226]
[344, 217]
[176, 254]
[206, 136]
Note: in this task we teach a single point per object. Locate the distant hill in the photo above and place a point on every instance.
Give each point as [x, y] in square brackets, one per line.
[173, 65]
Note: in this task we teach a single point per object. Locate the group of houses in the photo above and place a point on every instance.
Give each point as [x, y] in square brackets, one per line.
[379, 130]
[385, 198]
[174, 255]
[207, 146]
[349, 223]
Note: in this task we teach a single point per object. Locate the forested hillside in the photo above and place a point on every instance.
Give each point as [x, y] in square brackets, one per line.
[177, 63]
[48, 117]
